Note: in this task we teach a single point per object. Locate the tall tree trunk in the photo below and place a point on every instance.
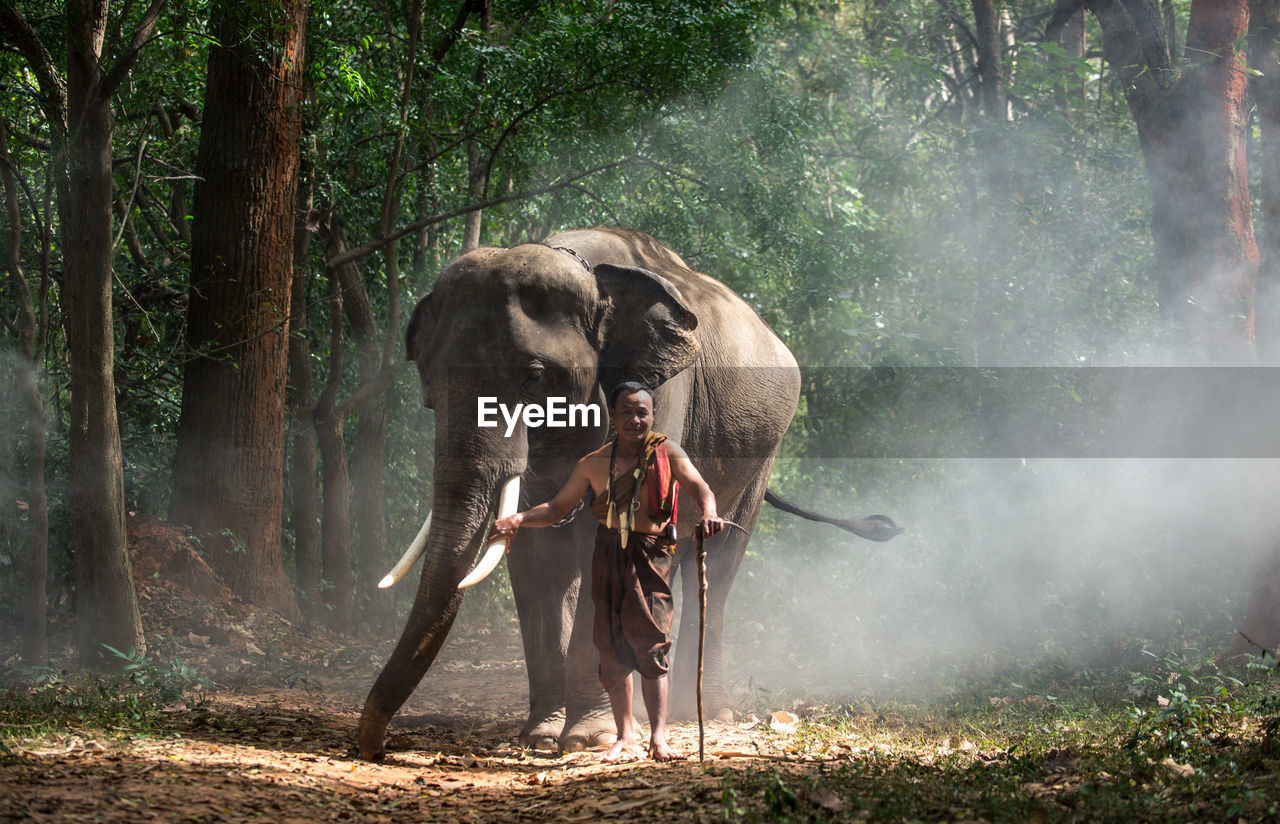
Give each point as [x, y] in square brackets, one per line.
[349, 299]
[370, 447]
[1260, 629]
[228, 480]
[106, 604]
[992, 243]
[301, 408]
[1072, 41]
[477, 185]
[1192, 128]
[338, 596]
[991, 69]
[478, 160]
[1224, 253]
[81, 125]
[1264, 55]
[34, 599]
[367, 465]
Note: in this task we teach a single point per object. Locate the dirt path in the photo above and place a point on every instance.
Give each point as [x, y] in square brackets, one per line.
[284, 754]
[272, 740]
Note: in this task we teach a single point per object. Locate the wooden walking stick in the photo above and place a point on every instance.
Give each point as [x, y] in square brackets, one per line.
[702, 635]
[699, 536]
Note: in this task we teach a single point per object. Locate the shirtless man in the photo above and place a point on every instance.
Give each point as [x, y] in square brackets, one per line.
[634, 480]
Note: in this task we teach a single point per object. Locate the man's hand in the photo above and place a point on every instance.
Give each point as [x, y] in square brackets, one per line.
[712, 525]
[506, 527]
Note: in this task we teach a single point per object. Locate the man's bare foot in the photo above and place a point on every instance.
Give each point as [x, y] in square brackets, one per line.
[624, 749]
[659, 750]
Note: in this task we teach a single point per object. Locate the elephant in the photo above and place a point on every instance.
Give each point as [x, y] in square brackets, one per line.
[569, 318]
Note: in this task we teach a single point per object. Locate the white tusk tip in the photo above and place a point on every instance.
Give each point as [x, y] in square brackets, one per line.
[386, 582]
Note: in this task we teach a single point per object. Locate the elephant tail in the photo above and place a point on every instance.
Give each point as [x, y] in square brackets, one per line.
[872, 527]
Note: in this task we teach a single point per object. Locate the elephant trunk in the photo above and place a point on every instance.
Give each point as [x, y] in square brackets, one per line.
[460, 521]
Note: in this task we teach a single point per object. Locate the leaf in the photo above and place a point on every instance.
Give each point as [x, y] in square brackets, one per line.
[665, 794]
[1184, 770]
[827, 800]
[783, 722]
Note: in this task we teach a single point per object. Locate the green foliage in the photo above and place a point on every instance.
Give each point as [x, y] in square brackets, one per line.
[826, 160]
[1195, 702]
[134, 700]
[160, 682]
[1050, 745]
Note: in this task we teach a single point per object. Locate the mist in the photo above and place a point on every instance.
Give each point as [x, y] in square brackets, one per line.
[1002, 564]
[1052, 518]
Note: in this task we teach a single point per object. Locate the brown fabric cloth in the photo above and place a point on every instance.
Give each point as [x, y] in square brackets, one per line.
[631, 590]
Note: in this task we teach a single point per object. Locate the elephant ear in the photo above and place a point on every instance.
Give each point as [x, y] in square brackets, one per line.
[421, 325]
[646, 328]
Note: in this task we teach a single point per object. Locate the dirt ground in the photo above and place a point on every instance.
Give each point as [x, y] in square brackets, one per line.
[272, 738]
[285, 755]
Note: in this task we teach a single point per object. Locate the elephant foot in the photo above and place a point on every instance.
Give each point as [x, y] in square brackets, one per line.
[371, 745]
[592, 728]
[542, 731]
[716, 706]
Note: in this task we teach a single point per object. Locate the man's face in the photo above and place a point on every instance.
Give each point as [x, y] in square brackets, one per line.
[632, 415]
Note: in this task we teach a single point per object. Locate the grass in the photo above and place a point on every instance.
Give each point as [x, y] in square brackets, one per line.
[1168, 737]
[1180, 741]
[44, 704]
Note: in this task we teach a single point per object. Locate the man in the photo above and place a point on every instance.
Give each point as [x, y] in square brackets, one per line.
[635, 480]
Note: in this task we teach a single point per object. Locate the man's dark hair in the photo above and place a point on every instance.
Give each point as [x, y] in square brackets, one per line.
[629, 388]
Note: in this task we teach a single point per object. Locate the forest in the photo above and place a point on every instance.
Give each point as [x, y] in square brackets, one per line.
[1025, 254]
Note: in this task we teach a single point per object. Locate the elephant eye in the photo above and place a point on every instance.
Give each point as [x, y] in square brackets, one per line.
[532, 377]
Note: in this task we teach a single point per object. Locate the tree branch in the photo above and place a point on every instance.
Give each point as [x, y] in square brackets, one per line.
[129, 58]
[468, 8]
[1149, 24]
[1145, 85]
[20, 33]
[374, 245]
[1063, 11]
[960, 22]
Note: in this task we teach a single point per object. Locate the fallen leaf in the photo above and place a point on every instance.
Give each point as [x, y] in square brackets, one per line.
[1184, 770]
[401, 742]
[784, 722]
[827, 800]
[647, 799]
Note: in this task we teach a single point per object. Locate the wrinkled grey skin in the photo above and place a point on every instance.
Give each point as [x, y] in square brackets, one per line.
[531, 321]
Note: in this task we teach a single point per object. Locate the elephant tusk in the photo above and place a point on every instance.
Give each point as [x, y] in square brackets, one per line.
[411, 556]
[508, 502]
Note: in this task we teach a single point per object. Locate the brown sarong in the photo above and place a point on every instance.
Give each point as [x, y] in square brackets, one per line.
[631, 590]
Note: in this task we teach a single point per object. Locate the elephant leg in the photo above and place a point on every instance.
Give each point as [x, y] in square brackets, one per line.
[546, 581]
[589, 718]
[724, 554]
